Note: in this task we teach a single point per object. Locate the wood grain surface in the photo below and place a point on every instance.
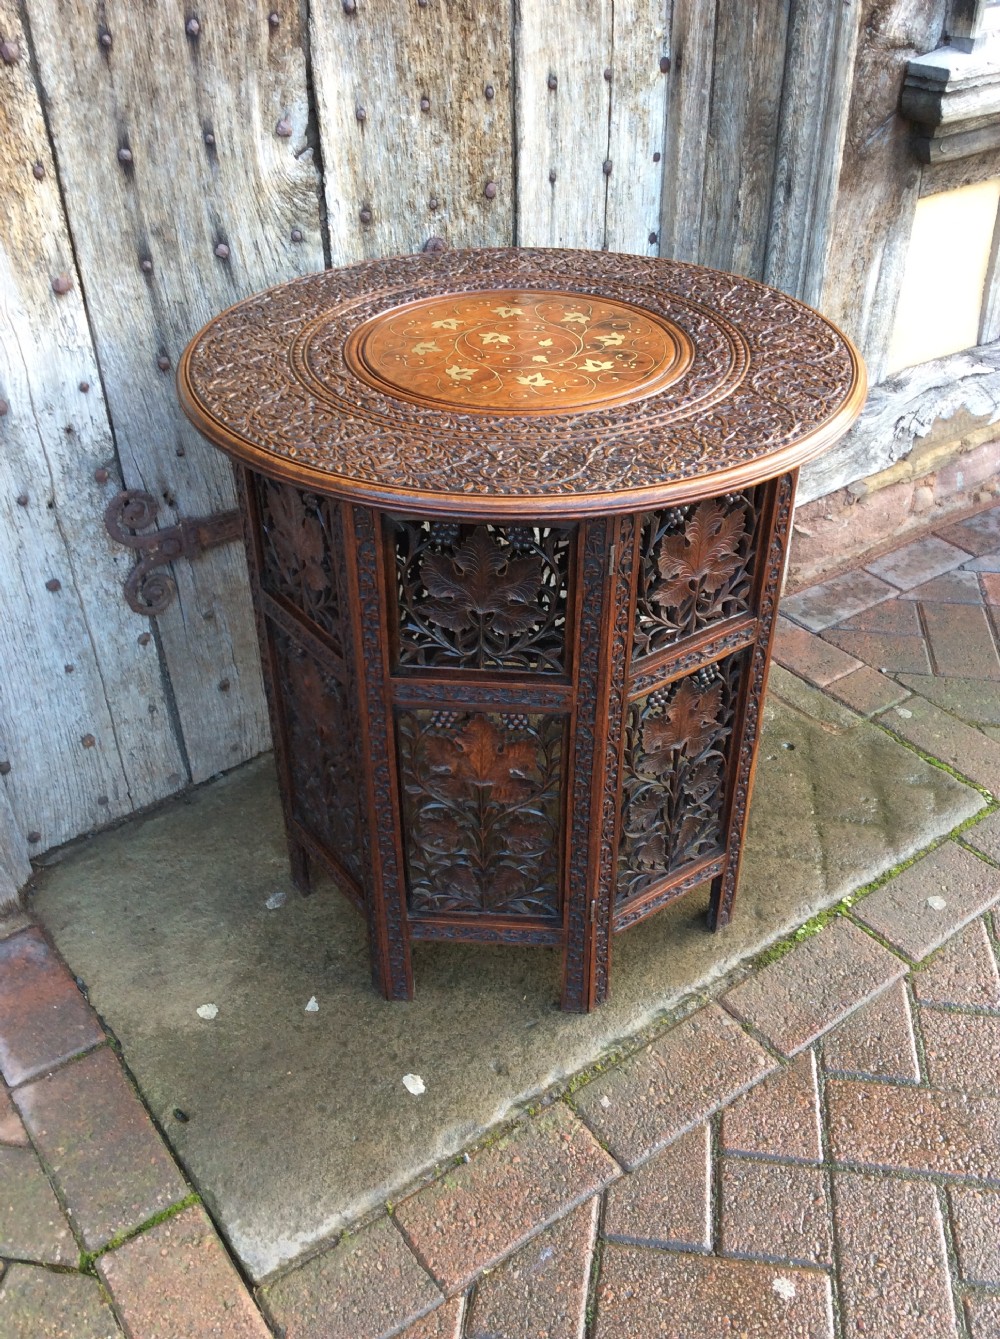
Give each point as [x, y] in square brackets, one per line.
[84, 720]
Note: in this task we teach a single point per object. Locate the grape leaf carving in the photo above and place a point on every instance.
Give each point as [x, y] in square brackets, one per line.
[481, 584]
[703, 558]
[480, 756]
[688, 723]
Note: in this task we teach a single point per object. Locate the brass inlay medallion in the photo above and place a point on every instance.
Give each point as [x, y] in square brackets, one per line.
[518, 351]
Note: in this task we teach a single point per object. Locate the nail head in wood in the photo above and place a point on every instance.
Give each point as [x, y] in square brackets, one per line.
[61, 284]
[146, 265]
[490, 92]
[425, 104]
[283, 128]
[10, 53]
[360, 114]
[365, 215]
[553, 82]
[435, 245]
[124, 155]
[88, 741]
[274, 19]
[101, 476]
[296, 234]
[490, 190]
[106, 40]
[84, 386]
[34, 837]
[608, 73]
[4, 768]
[607, 167]
[192, 27]
[163, 363]
[144, 638]
[53, 584]
[38, 171]
[222, 251]
[4, 408]
[664, 65]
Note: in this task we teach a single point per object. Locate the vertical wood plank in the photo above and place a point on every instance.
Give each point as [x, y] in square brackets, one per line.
[183, 142]
[822, 45]
[689, 89]
[640, 38]
[84, 722]
[15, 870]
[879, 177]
[415, 111]
[563, 111]
[742, 134]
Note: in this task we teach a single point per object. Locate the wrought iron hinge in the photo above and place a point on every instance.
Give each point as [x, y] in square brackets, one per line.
[149, 590]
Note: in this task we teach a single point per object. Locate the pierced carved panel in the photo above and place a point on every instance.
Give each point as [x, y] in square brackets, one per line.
[482, 808]
[482, 596]
[677, 746]
[300, 533]
[697, 568]
[321, 757]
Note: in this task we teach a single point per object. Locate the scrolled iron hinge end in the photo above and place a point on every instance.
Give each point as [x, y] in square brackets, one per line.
[148, 589]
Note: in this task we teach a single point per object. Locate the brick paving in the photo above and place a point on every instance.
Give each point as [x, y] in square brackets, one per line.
[813, 1153]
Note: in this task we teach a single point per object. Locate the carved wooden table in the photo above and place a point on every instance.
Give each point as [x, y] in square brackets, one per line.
[516, 525]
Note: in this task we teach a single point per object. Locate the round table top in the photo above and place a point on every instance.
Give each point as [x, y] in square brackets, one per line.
[523, 383]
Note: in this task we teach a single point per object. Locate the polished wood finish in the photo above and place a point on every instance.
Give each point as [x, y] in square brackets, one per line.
[507, 714]
[518, 351]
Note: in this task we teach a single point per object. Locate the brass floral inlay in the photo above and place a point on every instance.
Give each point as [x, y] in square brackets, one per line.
[519, 351]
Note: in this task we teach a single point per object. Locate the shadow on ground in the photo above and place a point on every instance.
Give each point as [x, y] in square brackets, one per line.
[299, 1122]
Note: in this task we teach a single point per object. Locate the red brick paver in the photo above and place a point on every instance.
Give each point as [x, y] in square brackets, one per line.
[893, 1267]
[653, 1097]
[834, 600]
[914, 1129]
[918, 562]
[109, 1164]
[810, 656]
[964, 972]
[975, 1215]
[963, 1051]
[922, 907]
[366, 1287]
[444, 1323]
[983, 1312]
[485, 1208]
[12, 1130]
[985, 836]
[542, 1289]
[43, 1017]
[37, 1303]
[646, 1293]
[775, 1211]
[867, 691]
[877, 1039]
[780, 1117]
[176, 1282]
[668, 1201]
[804, 994]
[32, 1225]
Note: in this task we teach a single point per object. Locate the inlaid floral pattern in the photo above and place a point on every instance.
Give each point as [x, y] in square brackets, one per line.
[481, 796]
[519, 351]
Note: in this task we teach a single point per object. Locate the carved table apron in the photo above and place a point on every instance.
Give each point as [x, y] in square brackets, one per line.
[516, 524]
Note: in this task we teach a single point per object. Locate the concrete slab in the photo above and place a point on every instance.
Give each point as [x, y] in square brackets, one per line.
[297, 1122]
